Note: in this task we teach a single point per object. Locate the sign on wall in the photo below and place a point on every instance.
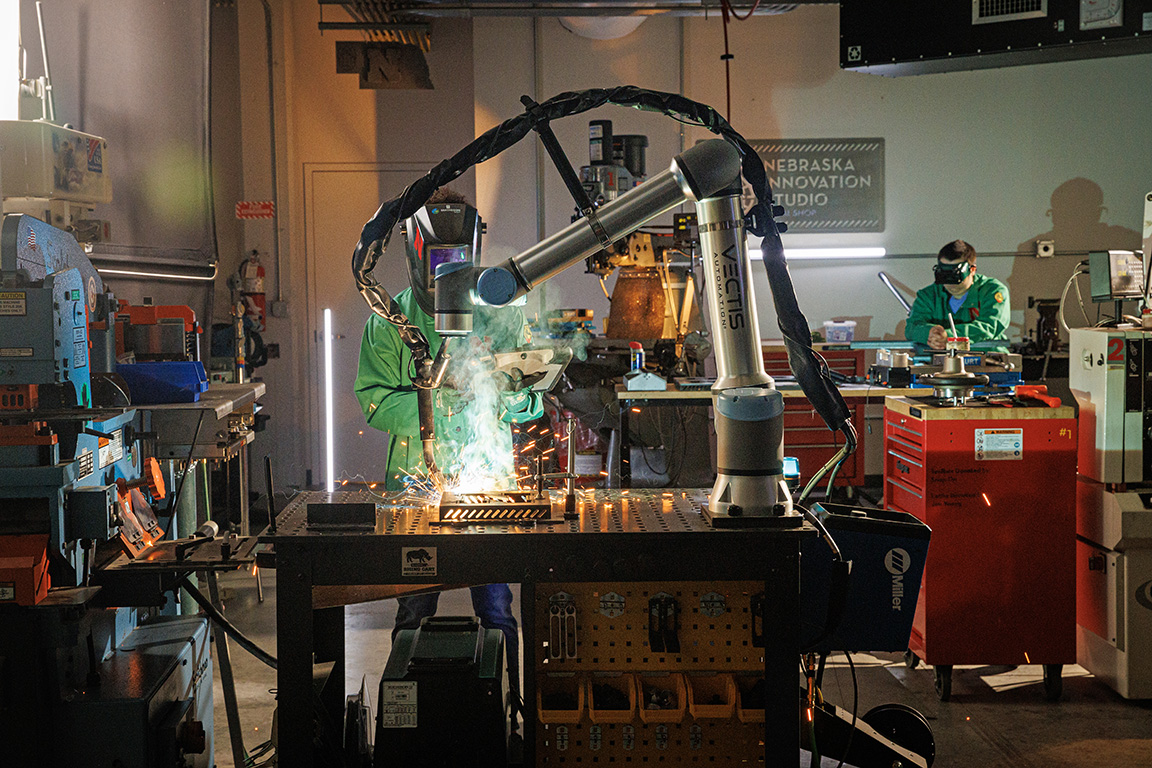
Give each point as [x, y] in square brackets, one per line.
[826, 185]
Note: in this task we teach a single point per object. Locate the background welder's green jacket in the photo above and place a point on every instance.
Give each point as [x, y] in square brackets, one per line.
[983, 316]
[388, 398]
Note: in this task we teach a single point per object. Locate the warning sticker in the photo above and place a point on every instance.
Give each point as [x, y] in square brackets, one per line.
[999, 444]
[13, 303]
[418, 561]
[111, 450]
[397, 704]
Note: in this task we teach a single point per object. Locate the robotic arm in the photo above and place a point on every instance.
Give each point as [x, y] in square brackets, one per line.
[749, 410]
[702, 175]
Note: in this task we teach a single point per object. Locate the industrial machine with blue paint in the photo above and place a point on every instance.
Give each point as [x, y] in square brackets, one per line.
[79, 491]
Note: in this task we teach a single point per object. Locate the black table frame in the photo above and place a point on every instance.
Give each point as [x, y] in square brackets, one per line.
[601, 546]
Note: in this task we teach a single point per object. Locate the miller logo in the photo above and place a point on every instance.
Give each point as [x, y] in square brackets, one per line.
[1144, 594]
[897, 561]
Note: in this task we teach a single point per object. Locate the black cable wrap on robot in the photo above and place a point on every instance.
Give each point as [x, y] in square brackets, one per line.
[810, 369]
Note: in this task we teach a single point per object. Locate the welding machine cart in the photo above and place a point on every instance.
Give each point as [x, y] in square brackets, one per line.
[441, 701]
[887, 550]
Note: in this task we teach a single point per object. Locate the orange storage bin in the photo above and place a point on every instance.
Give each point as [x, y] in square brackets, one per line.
[711, 697]
[624, 684]
[650, 687]
[553, 686]
[744, 690]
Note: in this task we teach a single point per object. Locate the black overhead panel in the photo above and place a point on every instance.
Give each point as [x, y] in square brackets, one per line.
[913, 37]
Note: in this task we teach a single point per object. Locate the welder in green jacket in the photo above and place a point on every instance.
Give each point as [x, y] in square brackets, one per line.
[977, 303]
[472, 411]
[388, 398]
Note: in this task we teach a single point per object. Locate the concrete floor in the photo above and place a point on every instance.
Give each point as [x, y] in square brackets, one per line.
[997, 717]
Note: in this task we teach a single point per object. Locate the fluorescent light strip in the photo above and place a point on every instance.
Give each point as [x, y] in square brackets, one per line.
[329, 426]
[801, 254]
[157, 275]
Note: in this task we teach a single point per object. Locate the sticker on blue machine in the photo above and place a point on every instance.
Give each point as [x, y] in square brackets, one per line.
[999, 444]
[397, 704]
[418, 561]
[87, 465]
[111, 449]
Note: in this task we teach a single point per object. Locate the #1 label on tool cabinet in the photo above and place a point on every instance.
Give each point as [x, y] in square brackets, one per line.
[418, 561]
[999, 444]
[398, 704]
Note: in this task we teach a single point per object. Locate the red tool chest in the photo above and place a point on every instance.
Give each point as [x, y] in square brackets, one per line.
[806, 436]
[997, 486]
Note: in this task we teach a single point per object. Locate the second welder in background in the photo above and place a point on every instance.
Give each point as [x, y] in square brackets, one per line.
[978, 304]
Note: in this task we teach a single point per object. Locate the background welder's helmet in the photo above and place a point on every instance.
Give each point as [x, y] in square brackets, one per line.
[439, 233]
[951, 274]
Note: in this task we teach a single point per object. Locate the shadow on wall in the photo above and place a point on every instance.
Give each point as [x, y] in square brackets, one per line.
[1077, 212]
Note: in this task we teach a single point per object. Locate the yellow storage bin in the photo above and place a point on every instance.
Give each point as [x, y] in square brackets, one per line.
[619, 687]
[668, 691]
[711, 697]
[554, 689]
[744, 690]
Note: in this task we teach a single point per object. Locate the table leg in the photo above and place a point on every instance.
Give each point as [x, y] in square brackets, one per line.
[781, 652]
[625, 473]
[294, 645]
[528, 665]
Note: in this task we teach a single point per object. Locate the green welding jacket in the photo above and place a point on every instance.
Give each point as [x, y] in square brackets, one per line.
[388, 398]
[983, 316]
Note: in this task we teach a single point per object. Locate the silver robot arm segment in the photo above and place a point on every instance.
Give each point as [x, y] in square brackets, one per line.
[700, 172]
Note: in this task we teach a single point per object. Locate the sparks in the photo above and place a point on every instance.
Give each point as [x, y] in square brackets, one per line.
[635, 410]
[986, 499]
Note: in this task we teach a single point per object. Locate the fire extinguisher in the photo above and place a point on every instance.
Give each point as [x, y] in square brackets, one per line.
[252, 291]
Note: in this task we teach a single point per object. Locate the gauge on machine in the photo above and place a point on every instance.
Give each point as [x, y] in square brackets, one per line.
[1095, 14]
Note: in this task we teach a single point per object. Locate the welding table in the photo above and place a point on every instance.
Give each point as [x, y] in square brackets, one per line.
[638, 537]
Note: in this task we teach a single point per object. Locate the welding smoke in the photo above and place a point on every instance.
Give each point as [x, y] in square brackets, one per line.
[476, 442]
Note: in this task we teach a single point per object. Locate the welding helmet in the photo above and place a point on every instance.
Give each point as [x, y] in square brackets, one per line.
[439, 233]
[952, 274]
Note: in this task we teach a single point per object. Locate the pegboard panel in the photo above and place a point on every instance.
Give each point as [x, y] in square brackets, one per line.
[612, 627]
[691, 742]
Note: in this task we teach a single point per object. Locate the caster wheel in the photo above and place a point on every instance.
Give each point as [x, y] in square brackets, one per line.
[944, 681]
[911, 660]
[904, 726]
[1053, 682]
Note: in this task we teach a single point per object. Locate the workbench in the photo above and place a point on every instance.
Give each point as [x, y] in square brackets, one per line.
[629, 536]
[806, 436]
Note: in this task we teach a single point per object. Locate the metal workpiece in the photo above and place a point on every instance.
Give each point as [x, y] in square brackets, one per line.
[699, 171]
[728, 288]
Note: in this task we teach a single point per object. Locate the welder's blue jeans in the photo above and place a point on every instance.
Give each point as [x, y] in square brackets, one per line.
[493, 606]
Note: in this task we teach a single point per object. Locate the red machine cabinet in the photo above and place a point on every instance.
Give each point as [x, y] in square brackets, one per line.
[997, 486]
